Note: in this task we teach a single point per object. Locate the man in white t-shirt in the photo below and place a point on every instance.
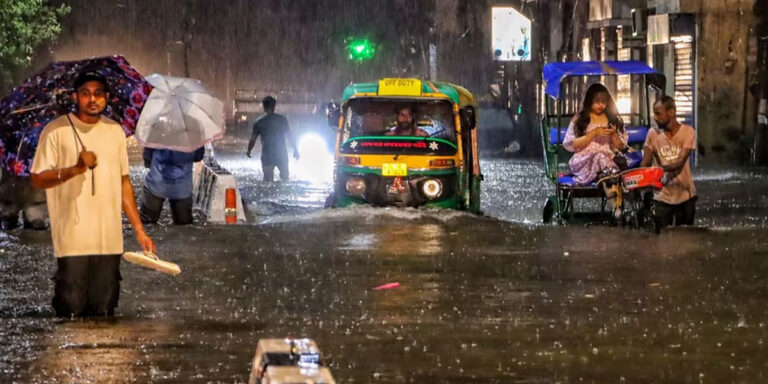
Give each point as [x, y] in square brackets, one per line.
[82, 163]
[670, 148]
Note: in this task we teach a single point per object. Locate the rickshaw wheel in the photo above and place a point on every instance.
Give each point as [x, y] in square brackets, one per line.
[647, 221]
[548, 211]
[646, 218]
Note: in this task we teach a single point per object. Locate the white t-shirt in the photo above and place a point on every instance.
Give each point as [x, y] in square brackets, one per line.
[85, 222]
[666, 150]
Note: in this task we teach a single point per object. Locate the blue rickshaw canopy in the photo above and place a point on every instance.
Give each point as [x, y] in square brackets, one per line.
[554, 73]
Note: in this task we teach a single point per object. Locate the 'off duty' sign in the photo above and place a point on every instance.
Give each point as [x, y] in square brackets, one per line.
[399, 87]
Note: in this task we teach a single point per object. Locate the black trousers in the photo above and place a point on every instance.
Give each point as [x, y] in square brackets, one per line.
[679, 214]
[269, 171]
[151, 206]
[86, 285]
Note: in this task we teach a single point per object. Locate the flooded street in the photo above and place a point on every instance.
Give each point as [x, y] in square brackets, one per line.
[492, 299]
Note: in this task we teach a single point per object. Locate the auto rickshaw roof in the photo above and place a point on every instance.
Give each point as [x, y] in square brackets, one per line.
[452, 91]
[554, 73]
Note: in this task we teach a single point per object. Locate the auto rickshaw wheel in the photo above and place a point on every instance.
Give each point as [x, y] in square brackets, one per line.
[330, 201]
[647, 221]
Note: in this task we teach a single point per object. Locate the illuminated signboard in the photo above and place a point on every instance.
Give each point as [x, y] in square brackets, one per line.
[510, 34]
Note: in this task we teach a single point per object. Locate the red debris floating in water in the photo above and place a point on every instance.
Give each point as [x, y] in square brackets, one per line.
[387, 286]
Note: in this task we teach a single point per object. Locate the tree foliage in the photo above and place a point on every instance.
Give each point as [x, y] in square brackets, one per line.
[24, 24]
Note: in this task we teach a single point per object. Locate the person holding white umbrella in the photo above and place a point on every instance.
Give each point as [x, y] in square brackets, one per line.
[169, 178]
[179, 118]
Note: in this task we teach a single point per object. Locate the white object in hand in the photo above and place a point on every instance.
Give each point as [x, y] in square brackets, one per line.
[150, 260]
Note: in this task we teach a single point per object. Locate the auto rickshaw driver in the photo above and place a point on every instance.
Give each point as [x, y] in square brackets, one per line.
[405, 124]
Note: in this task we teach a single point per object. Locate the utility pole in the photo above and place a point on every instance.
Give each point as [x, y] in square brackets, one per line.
[760, 149]
[189, 24]
[432, 47]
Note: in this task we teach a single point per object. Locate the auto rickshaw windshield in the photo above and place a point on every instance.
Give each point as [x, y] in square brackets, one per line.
[378, 117]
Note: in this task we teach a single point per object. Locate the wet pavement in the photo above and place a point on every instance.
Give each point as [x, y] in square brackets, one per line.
[493, 299]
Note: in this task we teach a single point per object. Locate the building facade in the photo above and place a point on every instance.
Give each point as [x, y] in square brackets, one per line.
[707, 51]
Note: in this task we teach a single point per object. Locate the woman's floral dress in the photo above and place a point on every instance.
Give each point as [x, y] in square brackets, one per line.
[595, 157]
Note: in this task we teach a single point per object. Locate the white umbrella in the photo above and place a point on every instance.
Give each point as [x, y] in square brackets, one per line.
[180, 114]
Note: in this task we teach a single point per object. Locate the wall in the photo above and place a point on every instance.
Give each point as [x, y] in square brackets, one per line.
[725, 124]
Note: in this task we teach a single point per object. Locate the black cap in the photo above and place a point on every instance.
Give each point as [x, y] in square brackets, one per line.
[87, 76]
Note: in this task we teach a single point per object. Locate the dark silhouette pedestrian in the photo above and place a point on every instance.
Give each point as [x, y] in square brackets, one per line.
[273, 130]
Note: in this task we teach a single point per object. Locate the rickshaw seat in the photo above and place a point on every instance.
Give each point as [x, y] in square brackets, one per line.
[636, 135]
[634, 158]
[568, 181]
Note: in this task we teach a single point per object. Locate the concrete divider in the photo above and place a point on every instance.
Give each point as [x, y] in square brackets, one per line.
[211, 182]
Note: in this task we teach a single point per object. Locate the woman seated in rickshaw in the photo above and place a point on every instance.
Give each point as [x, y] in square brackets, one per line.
[594, 135]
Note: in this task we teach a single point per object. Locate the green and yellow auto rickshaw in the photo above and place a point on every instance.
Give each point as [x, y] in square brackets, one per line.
[375, 165]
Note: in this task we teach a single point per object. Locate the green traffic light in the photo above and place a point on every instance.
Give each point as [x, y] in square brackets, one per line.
[361, 50]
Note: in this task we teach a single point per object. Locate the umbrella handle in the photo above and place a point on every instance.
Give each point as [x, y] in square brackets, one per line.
[93, 176]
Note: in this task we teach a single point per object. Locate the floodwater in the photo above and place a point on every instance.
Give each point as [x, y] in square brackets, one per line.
[492, 299]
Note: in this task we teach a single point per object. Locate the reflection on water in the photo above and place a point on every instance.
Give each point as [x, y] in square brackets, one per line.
[406, 239]
[102, 350]
[479, 299]
[359, 242]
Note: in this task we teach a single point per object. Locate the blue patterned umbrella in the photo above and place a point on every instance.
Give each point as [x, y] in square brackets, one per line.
[46, 96]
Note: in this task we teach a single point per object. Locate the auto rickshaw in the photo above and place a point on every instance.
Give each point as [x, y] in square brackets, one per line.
[375, 166]
[634, 85]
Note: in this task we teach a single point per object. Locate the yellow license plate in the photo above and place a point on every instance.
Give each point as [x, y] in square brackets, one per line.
[394, 169]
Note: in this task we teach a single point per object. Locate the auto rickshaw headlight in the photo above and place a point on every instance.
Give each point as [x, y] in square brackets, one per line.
[356, 186]
[432, 188]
